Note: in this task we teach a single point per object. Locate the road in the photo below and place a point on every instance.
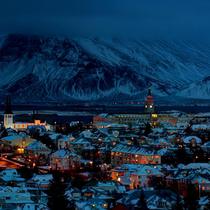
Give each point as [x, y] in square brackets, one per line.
[4, 163]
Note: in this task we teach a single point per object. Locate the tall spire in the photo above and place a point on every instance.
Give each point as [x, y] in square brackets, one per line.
[149, 103]
[149, 92]
[8, 107]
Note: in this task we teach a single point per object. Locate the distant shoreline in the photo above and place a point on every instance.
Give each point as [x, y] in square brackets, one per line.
[96, 109]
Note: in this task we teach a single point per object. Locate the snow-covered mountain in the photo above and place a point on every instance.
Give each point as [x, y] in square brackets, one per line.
[199, 90]
[35, 69]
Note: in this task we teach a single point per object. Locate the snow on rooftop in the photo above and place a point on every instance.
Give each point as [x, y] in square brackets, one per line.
[42, 177]
[133, 150]
[203, 114]
[104, 115]
[207, 144]
[37, 145]
[86, 134]
[200, 126]
[12, 137]
[197, 166]
[188, 139]
[63, 153]
[81, 141]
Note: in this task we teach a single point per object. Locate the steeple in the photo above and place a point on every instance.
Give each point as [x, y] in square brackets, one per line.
[35, 115]
[8, 115]
[149, 103]
[149, 92]
[8, 107]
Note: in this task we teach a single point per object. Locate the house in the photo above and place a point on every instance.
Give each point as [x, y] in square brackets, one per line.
[94, 203]
[80, 143]
[194, 175]
[40, 182]
[154, 199]
[73, 194]
[13, 197]
[20, 140]
[162, 201]
[109, 186]
[17, 141]
[135, 175]
[38, 148]
[143, 176]
[11, 175]
[206, 147]
[122, 154]
[65, 142]
[192, 140]
[64, 160]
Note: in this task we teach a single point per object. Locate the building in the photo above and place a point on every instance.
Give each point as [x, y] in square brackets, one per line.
[149, 106]
[185, 176]
[37, 148]
[135, 175]
[12, 197]
[9, 121]
[64, 160]
[25, 125]
[40, 181]
[11, 175]
[17, 141]
[65, 142]
[123, 154]
[149, 116]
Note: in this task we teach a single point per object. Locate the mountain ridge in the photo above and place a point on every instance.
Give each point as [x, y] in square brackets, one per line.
[37, 68]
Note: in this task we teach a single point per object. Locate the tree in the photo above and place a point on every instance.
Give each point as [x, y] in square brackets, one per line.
[3, 132]
[188, 130]
[191, 201]
[56, 195]
[142, 203]
[181, 154]
[178, 205]
[25, 172]
[147, 129]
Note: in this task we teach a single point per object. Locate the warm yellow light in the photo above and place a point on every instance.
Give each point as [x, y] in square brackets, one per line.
[105, 205]
[37, 122]
[20, 150]
[154, 115]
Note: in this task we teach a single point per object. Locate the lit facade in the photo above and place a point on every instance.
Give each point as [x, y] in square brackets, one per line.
[122, 154]
[25, 125]
[9, 119]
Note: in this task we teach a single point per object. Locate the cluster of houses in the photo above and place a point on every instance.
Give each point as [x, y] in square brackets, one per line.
[18, 193]
[126, 161]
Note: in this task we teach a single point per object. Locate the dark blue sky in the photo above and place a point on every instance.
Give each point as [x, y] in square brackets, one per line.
[140, 18]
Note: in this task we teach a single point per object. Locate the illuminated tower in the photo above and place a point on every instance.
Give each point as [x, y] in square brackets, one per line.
[8, 115]
[149, 103]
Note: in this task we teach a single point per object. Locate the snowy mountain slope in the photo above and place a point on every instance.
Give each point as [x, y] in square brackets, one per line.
[35, 69]
[199, 90]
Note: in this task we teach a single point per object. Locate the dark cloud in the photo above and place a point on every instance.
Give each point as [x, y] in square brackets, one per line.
[139, 18]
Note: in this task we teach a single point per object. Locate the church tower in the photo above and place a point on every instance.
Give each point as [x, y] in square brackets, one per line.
[8, 115]
[149, 103]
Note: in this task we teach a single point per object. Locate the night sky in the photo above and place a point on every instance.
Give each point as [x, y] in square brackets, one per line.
[140, 18]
